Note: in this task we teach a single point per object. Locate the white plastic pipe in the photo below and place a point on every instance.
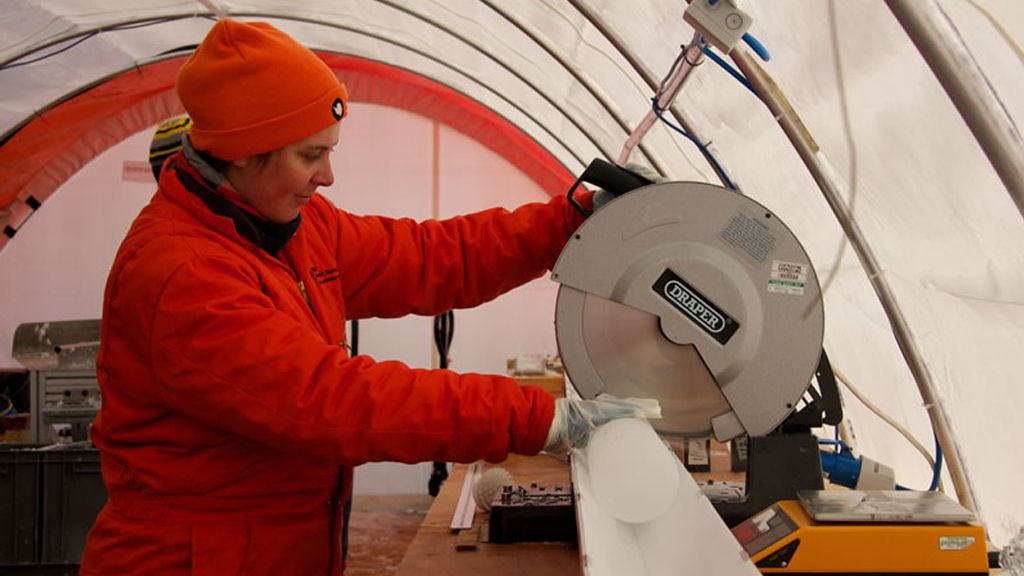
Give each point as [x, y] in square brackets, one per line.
[691, 59]
[832, 189]
[953, 64]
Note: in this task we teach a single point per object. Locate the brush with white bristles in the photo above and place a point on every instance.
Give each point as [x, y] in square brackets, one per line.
[490, 485]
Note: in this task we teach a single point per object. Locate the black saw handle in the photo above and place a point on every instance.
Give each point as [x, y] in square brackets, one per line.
[608, 176]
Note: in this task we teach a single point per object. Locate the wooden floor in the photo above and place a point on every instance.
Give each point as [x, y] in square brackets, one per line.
[380, 530]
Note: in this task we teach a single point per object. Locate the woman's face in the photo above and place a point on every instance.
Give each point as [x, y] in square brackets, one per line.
[278, 184]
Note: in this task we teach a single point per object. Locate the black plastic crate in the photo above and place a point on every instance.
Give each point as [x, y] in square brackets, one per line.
[72, 496]
[19, 505]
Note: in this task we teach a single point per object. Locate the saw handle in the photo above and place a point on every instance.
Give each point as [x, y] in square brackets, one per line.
[603, 174]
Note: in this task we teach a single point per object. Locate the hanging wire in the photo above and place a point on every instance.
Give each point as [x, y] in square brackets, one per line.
[50, 54]
[934, 463]
[714, 57]
[757, 47]
[700, 145]
[92, 34]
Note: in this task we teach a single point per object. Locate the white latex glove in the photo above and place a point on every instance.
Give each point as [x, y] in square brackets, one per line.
[575, 419]
[602, 196]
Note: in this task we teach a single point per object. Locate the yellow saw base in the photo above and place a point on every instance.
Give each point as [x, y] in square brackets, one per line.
[785, 539]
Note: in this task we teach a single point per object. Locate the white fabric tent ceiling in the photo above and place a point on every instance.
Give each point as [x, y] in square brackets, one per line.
[577, 75]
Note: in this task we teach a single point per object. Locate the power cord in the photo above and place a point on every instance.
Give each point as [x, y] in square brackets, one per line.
[444, 331]
[934, 463]
[700, 145]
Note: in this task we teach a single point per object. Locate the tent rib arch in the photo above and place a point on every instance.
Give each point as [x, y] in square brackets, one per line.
[127, 24]
[479, 49]
[645, 73]
[580, 79]
[437, 60]
[820, 169]
[353, 30]
[942, 47]
[20, 205]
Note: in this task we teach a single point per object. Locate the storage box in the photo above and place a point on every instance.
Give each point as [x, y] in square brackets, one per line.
[49, 500]
[19, 505]
[72, 495]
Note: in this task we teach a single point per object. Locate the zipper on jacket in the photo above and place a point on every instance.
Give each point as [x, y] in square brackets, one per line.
[305, 295]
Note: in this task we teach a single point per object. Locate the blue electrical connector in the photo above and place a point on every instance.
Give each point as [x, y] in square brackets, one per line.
[842, 468]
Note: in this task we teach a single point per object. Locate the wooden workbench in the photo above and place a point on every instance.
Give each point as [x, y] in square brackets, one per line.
[433, 550]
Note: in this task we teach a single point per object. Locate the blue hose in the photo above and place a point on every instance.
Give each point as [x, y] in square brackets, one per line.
[757, 47]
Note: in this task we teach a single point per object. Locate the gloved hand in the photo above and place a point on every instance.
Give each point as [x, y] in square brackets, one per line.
[602, 196]
[575, 419]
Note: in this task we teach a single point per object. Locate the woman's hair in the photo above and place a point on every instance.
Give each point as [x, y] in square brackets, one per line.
[221, 165]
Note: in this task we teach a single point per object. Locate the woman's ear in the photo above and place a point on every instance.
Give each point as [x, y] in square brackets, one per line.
[241, 162]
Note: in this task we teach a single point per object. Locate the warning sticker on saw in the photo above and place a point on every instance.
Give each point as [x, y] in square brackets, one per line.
[788, 278]
[695, 306]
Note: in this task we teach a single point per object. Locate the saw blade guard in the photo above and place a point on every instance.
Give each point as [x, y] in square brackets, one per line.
[694, 295]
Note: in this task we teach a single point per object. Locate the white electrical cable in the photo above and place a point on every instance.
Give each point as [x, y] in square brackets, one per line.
[215, 8]
[885, 417]
[824, 175]
[851, 144]
[999, 29]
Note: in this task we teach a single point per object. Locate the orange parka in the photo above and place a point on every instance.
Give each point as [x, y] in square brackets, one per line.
[232, 411]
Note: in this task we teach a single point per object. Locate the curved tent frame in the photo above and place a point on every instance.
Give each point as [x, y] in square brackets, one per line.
[40, 155]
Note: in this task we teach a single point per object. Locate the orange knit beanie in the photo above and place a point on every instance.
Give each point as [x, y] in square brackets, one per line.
[250, 88]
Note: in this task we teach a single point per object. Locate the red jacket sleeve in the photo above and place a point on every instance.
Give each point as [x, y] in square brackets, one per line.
[232, 361]
[391, 267]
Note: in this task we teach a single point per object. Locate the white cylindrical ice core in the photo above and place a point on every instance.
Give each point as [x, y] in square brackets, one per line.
[634, 476]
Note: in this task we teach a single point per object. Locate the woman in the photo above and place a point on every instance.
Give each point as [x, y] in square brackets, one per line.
[232, 413]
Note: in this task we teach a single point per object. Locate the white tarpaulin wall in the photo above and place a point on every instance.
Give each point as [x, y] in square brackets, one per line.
[575, 76]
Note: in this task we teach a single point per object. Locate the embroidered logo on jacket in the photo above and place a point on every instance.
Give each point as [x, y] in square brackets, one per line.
[323, 276]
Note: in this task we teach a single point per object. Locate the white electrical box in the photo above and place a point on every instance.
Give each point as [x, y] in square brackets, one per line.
[721, 22]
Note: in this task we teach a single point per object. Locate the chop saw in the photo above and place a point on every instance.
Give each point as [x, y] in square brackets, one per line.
[697, 296]
[703, 299]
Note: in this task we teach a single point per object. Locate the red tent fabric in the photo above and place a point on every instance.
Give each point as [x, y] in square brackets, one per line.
[48, 149]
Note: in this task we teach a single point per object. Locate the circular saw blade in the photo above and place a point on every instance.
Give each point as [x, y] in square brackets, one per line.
[632, 358]
[696, 296]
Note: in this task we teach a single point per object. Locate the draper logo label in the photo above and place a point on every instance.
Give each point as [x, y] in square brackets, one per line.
[695, 306]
